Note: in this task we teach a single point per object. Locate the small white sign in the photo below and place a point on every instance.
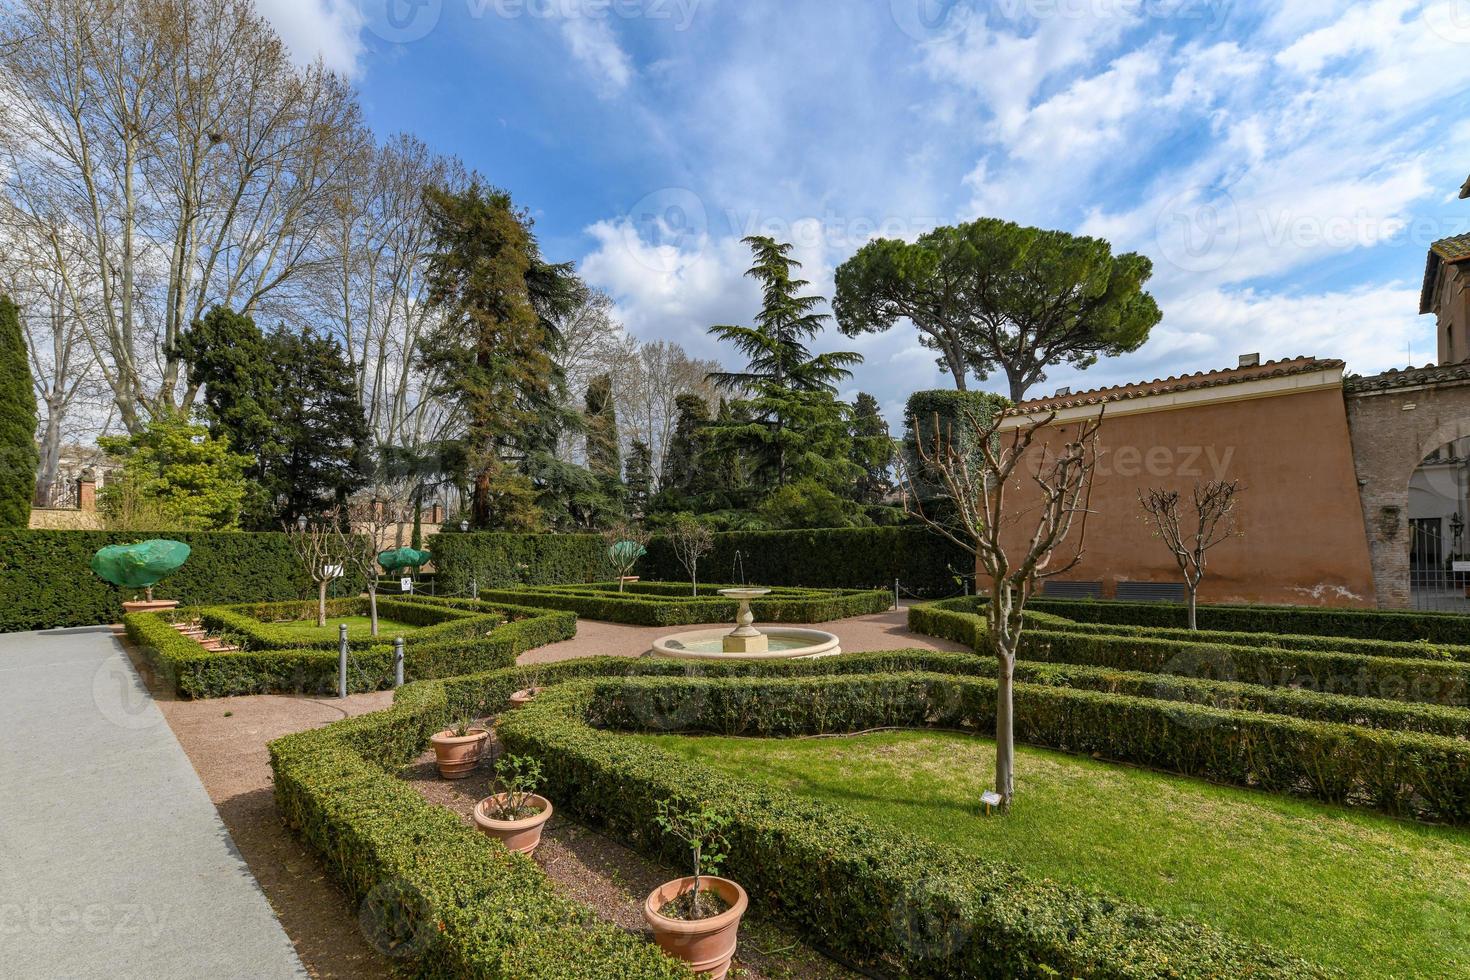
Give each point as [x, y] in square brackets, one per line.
[1460, 566]
[405, 584]
[332, 571]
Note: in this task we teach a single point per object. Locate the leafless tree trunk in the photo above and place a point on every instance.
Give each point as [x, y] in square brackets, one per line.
[319, 548]
[1214, 522]
[977, 464]
[691, 541]
[370, 519]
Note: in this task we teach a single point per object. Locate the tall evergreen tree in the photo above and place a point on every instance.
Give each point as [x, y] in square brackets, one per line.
[493, 349]
[638, 479]
[287, 401]
[872, 450]
[681, 472]
[18, 455]
[603, 457]
[797, 428]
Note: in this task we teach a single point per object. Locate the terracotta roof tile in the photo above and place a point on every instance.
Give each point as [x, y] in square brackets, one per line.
[1453, 250]
[1456, 249]
[1410, 377]
[1183, 382]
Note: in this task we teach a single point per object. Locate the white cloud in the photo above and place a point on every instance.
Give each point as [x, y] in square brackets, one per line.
[330, 29]
[592, 43]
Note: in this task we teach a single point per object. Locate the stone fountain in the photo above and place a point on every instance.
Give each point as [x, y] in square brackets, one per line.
[745, 642]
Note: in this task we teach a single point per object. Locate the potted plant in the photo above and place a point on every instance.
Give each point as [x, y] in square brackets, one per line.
[515, 815]
[525, 695]
[697, 918]
[457, 749]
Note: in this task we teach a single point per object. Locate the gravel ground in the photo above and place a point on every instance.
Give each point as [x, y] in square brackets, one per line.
[614, 880]
[225, 739]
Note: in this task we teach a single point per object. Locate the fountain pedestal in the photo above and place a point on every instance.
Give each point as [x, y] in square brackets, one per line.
[745, 638]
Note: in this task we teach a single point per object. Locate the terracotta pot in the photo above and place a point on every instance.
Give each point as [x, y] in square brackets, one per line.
[707, 945]
[149, 605]
[522, 835]
[524, 697]
[458, 755]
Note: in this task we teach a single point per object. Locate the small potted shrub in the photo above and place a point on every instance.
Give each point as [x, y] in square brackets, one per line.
[527, 694]
[457, 749]
[515, 815]
[696, 919]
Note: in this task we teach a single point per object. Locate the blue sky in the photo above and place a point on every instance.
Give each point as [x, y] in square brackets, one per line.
[1284, 165]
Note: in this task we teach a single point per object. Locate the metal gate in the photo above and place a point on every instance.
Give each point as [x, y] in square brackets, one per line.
[1432, 583]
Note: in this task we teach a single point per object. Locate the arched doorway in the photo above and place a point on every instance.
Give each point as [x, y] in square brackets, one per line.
[1411, 438]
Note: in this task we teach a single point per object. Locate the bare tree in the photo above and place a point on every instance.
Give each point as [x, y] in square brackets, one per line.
[1213, 520]
[372, 519]
[978, 464]
[649, 380]
[319, 549]
[691, 540]
[178, 142]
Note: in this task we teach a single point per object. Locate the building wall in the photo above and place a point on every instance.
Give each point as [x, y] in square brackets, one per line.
[1302, 538]
[1452, 313]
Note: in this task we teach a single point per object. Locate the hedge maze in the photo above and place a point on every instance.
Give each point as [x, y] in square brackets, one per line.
[673, 604]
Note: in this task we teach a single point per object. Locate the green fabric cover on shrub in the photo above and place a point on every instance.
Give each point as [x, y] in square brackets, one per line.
[141, 565]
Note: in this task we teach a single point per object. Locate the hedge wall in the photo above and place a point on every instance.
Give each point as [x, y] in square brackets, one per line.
[46, 581]
[661, 604]
[833, 558]
[193, 672]
[1368, 624]
[498, 561]
[885, 901]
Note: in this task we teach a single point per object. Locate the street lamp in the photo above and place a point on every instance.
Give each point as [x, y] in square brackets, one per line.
[301, 523]
[464, 525]
[1457, 528]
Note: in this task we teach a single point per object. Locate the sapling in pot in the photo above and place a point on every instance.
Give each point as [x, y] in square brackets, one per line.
[518, 778]
[702, 828]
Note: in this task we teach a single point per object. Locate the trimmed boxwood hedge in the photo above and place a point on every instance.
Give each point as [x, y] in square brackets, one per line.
[880, 899]
[1370, 624]
[452, 902]
[496, 560]
[499, 635]
[858, 889]
[46, 581]
[258, 625]
[669, 604]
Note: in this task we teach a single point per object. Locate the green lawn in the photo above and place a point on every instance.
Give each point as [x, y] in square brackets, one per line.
[1354, 891]
[358, 628]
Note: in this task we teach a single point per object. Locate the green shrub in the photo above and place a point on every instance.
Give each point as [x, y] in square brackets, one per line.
[476, 643]
[46, 581]
[499, 561]
[878, 899]
[1369, 624]
[258, 625]
[664, 604]
[457, 904]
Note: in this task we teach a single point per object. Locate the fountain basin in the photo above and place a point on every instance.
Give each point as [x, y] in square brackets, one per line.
[782, 643]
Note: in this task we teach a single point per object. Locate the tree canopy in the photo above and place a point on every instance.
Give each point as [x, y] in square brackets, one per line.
[991, 295]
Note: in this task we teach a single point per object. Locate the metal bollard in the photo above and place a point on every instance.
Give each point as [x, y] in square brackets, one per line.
[895, 593]
[342, 660]
[475, 588]
[398, 662]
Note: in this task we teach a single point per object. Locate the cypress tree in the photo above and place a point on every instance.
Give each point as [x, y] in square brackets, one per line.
[18, 455]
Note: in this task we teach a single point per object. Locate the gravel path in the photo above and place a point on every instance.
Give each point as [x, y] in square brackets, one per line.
[879, 631]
